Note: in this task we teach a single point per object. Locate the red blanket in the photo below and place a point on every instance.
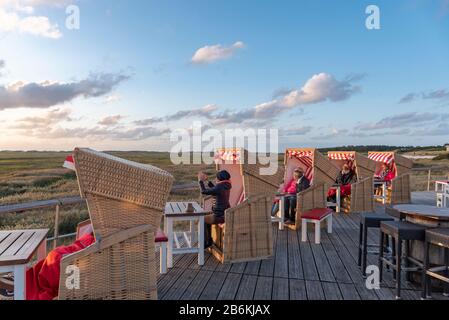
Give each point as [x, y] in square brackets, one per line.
[42, 280]
[345, 191]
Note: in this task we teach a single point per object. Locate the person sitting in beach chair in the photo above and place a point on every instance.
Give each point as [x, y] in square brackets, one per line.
[386, 174]
[298, 184]
[220, 192]
[345, 178]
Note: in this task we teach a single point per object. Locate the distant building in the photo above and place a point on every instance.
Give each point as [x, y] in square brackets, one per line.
[447, 147]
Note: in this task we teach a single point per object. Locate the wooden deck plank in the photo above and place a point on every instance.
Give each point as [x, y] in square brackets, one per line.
[308, 261]
[298, 289]
[295, 268]
[230, 286]
[247, 287]
[322, 264]
[196, 287]
[267, 265]
[331, 291]
[252, 268]
[314, 290]
[348, 291]
[281, 258]
[263, 288]
[238, 267]
[280, 289]
[213, 287]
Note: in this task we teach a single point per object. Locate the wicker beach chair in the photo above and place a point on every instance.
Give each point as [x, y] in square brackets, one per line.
[318, 169]
[400, 190]
[361, 197]
[247, 233]
[125, 201]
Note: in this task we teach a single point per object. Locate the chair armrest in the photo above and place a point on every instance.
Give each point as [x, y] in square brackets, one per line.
[109, 241]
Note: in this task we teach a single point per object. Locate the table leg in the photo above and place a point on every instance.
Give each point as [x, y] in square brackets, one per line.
[20, 282]
[170, 236]
[281, 213]
[42, 251]
[201, 241]
[192, 232]
[338, 198]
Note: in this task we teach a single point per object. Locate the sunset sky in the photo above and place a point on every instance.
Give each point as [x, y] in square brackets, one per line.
[137, 69]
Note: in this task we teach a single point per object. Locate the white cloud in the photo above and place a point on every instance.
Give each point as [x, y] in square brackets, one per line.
[18, 16]
[34, 25]
[212, 53]
[111, 120]
[51, 93]
[319, 88]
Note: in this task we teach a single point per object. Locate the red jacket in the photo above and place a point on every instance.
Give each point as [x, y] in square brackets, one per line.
[290, 187]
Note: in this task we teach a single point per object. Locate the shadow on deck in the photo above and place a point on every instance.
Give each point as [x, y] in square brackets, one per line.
[298, 271]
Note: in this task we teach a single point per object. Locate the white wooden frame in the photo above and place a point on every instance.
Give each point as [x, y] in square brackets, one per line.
[317, 223]
[173, 246]
[19, 272]
[279, 218]
[383, 185]
[337, 202]
[442, 191]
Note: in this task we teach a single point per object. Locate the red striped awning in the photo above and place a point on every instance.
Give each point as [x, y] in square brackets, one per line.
[348, 156]
[385, 157]
[306, 159]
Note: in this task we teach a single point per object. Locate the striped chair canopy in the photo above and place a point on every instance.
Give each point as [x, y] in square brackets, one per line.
[317, 168]
[398, 164]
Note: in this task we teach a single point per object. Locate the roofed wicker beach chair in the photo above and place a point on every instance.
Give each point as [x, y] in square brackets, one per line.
[400, 190]
[361, 197]
[318, 169]
[247, 232]
[125, 201]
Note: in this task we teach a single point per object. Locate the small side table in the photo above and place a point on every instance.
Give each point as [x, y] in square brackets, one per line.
[183, 242]
[17, 248]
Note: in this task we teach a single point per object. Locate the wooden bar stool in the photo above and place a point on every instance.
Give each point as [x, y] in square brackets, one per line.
[367, 221]
[401, 232]
[440, 238]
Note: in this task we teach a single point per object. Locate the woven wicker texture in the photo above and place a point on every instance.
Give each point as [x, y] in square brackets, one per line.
[400, 190]
[403, 165]
[365, 167]
[361, 198]
[312, 198]
[255, 182]
[120, 194]
[247, 235]
[324, 171]
[125, 270]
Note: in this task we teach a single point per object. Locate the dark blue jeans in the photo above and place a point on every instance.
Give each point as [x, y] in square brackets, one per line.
[290, 208]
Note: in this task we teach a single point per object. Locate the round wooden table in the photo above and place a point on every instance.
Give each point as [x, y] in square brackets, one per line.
[428, 216]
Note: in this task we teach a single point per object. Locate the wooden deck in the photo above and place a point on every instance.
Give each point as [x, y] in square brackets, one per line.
[299, 271]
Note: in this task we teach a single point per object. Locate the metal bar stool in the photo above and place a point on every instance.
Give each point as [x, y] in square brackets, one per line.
[401, 232]
[367, 221]
[440, 238]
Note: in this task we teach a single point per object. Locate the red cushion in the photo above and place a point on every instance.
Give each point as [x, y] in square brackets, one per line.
[316, 214]
[160, 236]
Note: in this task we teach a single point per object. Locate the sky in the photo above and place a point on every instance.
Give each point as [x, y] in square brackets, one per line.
[135, 71]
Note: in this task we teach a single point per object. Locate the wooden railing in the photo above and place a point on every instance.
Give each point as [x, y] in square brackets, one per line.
[58, 204]
[429, 174]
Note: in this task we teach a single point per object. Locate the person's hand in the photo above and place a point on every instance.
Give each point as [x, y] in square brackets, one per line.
[202, 176]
